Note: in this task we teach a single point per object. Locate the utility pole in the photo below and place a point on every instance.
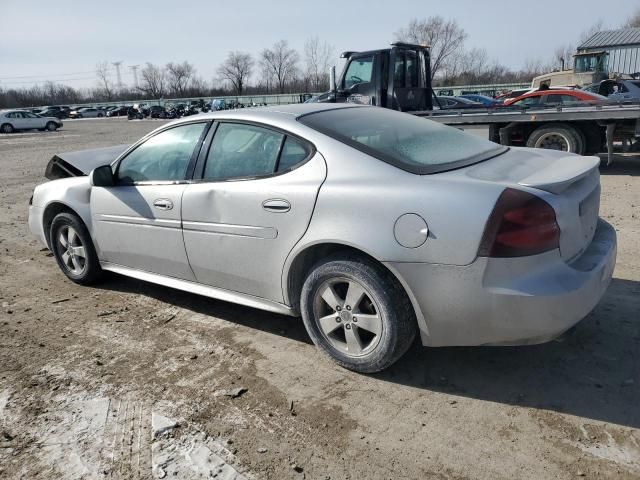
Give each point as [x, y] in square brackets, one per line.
[135, 74]
[117, 65]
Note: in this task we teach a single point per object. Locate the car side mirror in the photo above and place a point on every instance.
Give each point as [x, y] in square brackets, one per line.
[102, 176]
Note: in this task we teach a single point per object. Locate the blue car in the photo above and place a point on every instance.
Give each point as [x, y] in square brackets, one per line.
[483, 99]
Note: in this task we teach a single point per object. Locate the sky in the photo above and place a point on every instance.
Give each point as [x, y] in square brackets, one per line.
[63, 40]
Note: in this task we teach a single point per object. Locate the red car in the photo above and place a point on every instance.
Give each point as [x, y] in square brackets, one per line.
[543, 98]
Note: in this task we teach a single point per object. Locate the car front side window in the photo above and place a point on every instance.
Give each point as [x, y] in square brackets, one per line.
[163, 157]
[240, 150]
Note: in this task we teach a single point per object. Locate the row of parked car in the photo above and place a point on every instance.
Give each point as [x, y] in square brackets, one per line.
[603, 92]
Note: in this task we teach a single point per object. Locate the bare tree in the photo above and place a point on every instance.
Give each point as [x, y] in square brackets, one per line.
[589, 32]
[153, 80]
[197, 87]
[445, 37]
[178, 76]
[104, 79]
[281, 63]
[562, 57]
[317, 59]
[236, 69]
[634, 20]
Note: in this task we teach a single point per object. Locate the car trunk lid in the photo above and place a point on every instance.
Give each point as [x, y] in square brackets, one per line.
[569, 183]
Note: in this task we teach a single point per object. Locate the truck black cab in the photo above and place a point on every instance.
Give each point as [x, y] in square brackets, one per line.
[398, 78]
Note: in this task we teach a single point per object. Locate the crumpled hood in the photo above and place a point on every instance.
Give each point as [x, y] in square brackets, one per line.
[75, 164]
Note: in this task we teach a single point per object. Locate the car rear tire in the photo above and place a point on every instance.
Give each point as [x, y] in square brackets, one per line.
[7, 128]
[100, 115]
[52, 126]
[357, 313]
[73, 248]
[557, 137]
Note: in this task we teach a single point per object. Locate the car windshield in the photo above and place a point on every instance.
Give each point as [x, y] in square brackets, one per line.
[408, 142]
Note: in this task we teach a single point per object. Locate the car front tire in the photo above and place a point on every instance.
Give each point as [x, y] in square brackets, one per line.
[357, 313]
[73, 248]
[52, 126]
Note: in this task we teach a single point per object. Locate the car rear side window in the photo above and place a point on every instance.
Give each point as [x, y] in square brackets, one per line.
[240, 150]
[293, 152]
[409, 142]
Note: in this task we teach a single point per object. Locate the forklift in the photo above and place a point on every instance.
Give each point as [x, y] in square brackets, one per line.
[398, 78]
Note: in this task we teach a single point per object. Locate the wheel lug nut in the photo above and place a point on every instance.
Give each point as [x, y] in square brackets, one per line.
[338, 319]
[338, 308]
[355, 320]
[347, 326]
[348, 307]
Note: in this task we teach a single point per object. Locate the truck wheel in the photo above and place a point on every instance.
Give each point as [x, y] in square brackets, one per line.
[557, 137]
[357, 313]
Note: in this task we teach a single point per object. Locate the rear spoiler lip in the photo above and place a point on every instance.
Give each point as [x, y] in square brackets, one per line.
[562, 174]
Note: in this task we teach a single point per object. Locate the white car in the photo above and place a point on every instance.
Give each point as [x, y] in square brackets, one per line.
[13, 120]
[86, 112]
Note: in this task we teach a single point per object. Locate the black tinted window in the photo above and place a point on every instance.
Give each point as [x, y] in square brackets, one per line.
[293, 152]
[241, 150]
[406, 141]
[163, 157]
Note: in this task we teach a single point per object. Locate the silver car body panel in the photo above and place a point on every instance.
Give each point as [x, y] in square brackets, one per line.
[130, 230]
[235, 250]
[234, 241]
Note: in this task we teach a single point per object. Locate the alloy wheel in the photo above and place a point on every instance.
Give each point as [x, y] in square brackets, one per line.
[348, 316]
[71, 250]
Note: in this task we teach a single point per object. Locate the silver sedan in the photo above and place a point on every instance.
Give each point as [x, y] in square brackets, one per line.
[375, 226]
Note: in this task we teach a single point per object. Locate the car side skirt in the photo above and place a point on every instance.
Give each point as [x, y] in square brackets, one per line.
[200, 289]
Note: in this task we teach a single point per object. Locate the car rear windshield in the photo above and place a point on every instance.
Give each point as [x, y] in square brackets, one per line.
[411, 143]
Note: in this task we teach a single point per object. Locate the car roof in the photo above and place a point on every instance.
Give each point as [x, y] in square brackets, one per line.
[274, 113]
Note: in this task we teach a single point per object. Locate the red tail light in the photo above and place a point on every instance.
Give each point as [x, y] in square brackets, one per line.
[521, 224]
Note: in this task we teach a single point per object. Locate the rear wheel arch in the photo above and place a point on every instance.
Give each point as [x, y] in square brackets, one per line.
[307, 258]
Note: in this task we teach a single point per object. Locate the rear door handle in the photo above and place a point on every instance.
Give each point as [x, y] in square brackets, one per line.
[163, 204]
[277, 205]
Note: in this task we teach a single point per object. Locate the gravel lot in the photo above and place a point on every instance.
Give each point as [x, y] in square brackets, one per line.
[132, 380]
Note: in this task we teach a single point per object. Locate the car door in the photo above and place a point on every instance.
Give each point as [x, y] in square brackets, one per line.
[137, 222]
[254, 199]
[17, 120]
[33, 121]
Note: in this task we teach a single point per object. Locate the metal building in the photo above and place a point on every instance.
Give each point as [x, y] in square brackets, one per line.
[620, 49]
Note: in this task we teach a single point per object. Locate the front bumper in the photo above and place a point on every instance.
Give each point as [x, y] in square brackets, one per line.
[35, 224]
[509, 301]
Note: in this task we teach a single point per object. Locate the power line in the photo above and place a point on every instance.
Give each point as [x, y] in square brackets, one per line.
[46, 75]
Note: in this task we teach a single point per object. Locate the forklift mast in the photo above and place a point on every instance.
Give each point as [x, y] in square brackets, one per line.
[398, 78]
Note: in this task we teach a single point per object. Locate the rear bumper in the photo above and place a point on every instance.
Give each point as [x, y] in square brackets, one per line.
[509, 301]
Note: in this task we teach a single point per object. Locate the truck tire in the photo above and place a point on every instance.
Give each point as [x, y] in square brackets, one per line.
[357, 313]
[557, 137]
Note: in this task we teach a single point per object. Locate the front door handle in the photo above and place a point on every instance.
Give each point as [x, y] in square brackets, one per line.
[277, 205]
[163, 204]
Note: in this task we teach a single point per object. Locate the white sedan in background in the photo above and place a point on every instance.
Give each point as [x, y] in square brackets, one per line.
[13, 120]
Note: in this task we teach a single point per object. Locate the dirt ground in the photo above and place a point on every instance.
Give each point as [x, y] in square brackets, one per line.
[132, 380]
